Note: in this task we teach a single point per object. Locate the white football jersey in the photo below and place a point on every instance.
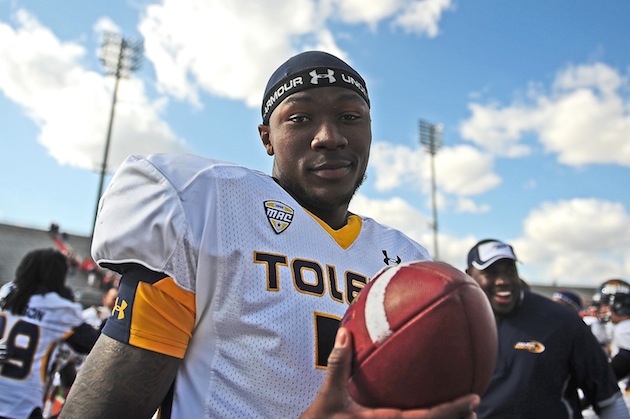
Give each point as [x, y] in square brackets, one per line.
[621, 337]
[270, 281]
[30, 339]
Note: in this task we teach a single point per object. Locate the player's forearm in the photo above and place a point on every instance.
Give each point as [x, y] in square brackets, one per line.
[131, 389]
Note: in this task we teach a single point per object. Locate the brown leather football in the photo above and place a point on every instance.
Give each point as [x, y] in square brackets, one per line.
[424, 333]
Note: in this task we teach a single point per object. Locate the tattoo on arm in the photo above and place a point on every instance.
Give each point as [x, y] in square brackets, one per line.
[121, 381]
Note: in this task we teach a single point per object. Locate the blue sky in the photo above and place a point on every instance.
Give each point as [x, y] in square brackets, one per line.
[534, 97]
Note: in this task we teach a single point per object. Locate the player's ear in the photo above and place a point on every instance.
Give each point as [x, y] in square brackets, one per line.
[263, 131]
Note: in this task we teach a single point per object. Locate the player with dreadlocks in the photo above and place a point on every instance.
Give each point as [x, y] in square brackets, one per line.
[36, 312]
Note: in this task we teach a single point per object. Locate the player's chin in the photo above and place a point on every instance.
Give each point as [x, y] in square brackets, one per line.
[339, 197]
[338, 192]
[502, 307]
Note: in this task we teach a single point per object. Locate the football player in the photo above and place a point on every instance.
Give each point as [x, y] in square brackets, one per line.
[35, 315]
[233, 281]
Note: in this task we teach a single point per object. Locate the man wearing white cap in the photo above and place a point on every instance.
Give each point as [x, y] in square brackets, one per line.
[545, 351]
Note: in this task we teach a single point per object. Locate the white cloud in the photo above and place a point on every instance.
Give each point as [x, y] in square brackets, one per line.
[597, 76]
[399, 214]
[396, 213]
[583, 268]
[465, 171]
[396, 165]
[420, 17]
[603, 225]
[371, 13]
[454, 250]
[576, 241]
[71, 104]
[423, 17]
[242, 44]
[460, 171]
[105, 24]
[465, 205]
[579, 242]
[584, 119]
[498, 130]
[227, 48]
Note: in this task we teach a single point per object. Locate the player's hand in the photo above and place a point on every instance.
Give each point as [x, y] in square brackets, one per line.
[334, 401]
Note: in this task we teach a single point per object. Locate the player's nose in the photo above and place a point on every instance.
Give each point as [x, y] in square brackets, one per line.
[328, 135]
[501, 280]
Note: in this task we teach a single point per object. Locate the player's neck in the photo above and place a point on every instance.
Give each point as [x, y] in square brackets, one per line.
[334, 221]
[334, 216]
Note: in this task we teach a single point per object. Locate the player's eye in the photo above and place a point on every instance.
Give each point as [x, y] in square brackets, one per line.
[299, 118]
[350, 117]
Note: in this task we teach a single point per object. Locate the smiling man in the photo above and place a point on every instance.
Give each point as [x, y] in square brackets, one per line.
[546, 352]
[233, 281]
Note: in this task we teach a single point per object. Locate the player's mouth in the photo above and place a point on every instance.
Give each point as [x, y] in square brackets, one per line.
[503, 296]
[332, 170]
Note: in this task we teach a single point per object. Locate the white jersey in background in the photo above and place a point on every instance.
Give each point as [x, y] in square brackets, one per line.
[30, 339]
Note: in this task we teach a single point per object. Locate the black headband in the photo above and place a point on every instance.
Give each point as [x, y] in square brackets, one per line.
[306, 71]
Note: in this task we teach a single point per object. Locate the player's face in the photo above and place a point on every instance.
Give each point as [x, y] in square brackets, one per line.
[501, 283]
[604, 312]
[321, 142]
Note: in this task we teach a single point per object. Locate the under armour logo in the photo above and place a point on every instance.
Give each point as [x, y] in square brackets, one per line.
[315, 77]
[120, 308]
[389, 260]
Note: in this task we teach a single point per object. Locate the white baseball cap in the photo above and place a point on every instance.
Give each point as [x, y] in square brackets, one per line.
[486, 252]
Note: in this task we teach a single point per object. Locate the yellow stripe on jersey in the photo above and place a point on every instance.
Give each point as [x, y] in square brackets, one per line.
[46, 360]
[163, 318]
[347, 234]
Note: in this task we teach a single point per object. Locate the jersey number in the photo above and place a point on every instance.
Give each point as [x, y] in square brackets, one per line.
[21, 343]
[326, 327]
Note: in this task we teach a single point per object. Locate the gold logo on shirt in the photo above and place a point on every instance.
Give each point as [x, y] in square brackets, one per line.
[279, 215]
[531, 346]
[120, 308]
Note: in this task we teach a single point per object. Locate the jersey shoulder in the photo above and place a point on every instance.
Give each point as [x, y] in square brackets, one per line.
[62, 306]
[183, 170]
[155, 208]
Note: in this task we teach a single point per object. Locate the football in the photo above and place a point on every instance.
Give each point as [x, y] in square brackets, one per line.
[424, 333]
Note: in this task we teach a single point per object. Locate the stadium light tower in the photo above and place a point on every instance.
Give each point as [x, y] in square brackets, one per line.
[120, 57]
[431, 139]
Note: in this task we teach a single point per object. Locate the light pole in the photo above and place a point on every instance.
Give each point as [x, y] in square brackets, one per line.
[120, 57]
[431, 139]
